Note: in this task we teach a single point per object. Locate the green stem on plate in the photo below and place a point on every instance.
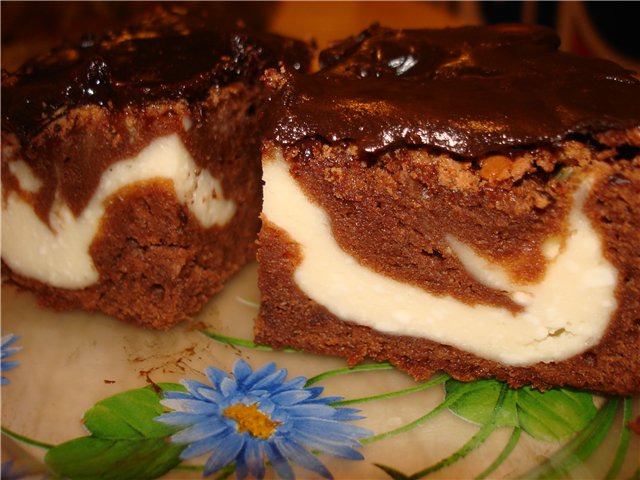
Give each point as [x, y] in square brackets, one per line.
[240, 342]
[248, 303]
[23, 439]
[579, 449]
[223, 473]
[396, 393]
[478, 439]
[475, 441]
[511, 444]
[417, 422]
[226, 472]
[341, 371]
[623, 442]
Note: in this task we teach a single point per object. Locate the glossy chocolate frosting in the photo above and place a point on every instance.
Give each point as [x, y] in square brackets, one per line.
[468, 90]
[171, 55]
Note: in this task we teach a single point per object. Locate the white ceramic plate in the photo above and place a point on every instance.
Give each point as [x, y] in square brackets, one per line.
[70, 361]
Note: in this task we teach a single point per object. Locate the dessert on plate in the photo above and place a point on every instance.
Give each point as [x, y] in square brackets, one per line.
[464, 200]
[131, 165]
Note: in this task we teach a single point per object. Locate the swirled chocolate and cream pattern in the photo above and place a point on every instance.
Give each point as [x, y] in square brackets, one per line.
[58, 253]
[564, 314]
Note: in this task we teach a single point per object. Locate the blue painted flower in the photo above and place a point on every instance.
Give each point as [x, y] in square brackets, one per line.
[5, 351]
[258, 416]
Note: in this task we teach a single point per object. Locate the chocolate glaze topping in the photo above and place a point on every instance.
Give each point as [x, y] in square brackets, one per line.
[169, 56]
[468, 90]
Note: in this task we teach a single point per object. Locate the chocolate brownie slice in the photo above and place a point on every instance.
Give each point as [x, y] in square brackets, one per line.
[131, 165]
[465, 200]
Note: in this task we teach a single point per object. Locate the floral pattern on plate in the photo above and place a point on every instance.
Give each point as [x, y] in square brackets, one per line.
[203, 400]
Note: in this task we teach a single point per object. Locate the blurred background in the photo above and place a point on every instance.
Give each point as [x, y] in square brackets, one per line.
[606, 29]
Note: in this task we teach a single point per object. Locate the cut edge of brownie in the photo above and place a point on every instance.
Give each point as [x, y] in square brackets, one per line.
[289, 318]
[157, 262]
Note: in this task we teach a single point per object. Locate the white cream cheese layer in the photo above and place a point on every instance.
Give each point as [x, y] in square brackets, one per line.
[59, 255]
[566, 313]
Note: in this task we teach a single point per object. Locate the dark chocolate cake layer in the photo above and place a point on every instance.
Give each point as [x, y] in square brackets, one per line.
[467, 200]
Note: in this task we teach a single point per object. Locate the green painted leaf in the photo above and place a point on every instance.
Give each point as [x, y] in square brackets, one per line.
[125, 442]
[579, 448]
[478, 402]
[552, 415]
[97, 458]
[555, 414]
[128, 415]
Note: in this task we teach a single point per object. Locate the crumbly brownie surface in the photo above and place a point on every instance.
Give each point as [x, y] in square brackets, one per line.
[404, 180]
[170, 103]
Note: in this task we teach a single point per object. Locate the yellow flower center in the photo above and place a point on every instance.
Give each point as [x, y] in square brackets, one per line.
[250, 419]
